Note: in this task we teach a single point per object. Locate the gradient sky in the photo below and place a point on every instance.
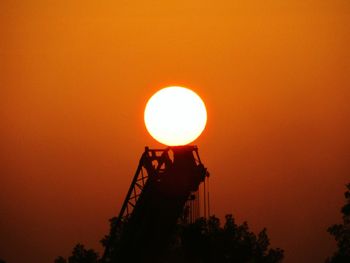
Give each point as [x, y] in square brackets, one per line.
[74, 80]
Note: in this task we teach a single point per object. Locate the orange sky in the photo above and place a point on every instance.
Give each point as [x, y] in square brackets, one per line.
[75, 77]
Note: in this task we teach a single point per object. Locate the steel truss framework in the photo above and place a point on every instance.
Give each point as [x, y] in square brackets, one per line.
[153, 167]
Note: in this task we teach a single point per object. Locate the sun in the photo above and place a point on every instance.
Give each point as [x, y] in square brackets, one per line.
[175, 116]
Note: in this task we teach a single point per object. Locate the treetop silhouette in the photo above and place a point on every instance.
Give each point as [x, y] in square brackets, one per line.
[341, 233]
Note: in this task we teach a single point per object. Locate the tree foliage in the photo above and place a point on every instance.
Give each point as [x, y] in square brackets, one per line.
[341, 233]
[80, 255]
[60, 260]
[206, 241]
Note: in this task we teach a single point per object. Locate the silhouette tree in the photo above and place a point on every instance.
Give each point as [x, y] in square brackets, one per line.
[206, 241]
[341, 233]
[112, 240]
[80, 255]
[60, 260]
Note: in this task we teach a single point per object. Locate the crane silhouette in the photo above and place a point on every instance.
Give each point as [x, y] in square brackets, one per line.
[165, 183]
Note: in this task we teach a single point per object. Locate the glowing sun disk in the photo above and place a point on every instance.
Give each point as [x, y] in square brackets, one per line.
[175, 116]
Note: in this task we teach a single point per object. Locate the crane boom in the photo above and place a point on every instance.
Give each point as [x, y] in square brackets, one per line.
[163, 182]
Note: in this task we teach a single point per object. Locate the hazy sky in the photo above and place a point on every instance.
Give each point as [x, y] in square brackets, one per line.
[74, 80]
